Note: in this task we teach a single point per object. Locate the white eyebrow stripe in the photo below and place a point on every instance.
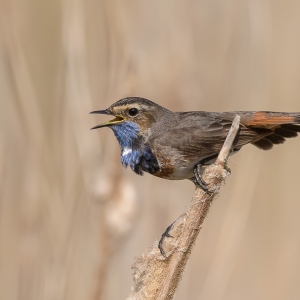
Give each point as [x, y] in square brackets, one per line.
[126, 151]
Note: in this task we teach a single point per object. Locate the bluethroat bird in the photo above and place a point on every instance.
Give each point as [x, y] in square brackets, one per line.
[172, 145]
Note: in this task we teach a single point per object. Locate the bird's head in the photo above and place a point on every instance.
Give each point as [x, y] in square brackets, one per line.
[139, 111]
[133, 116]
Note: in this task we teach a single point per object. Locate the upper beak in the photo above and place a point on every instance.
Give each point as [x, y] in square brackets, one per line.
[116, 120]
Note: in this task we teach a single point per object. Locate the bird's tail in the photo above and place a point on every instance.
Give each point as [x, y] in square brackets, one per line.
[280, 126]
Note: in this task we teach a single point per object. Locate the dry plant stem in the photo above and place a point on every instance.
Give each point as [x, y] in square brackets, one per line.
[225, 151]
[156, 277]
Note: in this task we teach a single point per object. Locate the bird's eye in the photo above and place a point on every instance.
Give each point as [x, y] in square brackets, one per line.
[133, 112]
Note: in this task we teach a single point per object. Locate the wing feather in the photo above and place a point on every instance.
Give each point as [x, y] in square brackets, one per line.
[199, 135]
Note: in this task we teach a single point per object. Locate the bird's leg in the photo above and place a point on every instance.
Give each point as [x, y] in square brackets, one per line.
[198, 178]
[164, 235]
[198, 181]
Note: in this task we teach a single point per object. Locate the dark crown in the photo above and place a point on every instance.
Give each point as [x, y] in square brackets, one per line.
[135, 100]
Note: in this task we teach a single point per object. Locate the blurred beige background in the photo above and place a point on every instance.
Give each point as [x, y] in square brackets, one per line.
[71, 218]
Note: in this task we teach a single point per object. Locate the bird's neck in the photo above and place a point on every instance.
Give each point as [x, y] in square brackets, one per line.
[126, 133]
[134, 151]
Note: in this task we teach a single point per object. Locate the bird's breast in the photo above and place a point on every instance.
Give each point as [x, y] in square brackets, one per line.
[163, 162]
[166, 168]
[140, 160]
[173, 165]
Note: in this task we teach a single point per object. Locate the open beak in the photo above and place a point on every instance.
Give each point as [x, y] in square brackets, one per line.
[116, 120]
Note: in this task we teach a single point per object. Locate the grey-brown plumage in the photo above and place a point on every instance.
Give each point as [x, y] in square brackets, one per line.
[170, 144]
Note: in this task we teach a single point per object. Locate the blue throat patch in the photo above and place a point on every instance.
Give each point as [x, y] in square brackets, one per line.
[126, 132]
[134, 154]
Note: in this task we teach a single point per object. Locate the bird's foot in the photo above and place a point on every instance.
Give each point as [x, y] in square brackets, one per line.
[199, 180]
[166, 234]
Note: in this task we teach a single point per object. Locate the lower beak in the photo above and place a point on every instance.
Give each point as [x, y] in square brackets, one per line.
[116, 120]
